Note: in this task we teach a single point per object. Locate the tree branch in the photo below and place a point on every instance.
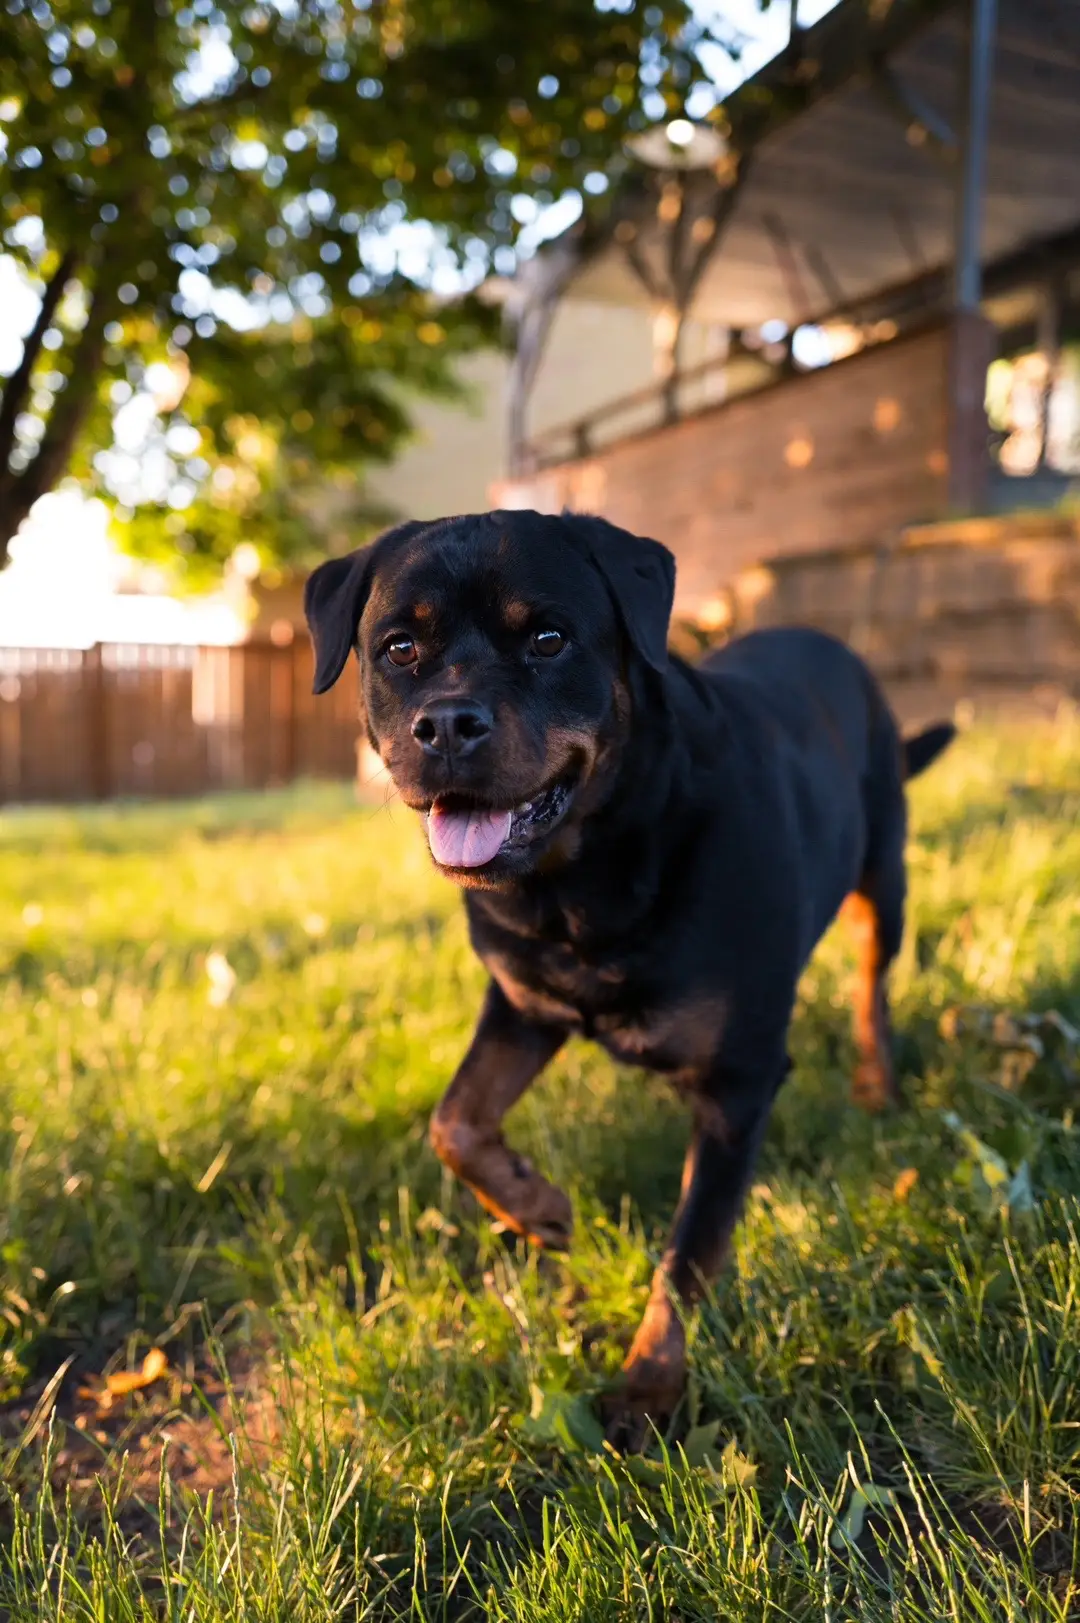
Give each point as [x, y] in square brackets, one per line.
[17, 386]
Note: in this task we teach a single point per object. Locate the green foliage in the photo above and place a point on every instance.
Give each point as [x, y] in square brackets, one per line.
[174, 171]
[288, 421]
[882, 1418]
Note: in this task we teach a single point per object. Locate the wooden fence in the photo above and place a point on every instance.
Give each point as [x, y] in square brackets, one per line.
[124, 719]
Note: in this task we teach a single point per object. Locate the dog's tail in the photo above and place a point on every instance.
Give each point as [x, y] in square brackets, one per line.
[925, 747]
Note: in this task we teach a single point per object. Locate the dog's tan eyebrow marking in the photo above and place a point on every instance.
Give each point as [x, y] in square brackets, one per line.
[516, 615]
[422, 613]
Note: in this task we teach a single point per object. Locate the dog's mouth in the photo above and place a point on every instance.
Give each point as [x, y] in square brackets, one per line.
[465, 834]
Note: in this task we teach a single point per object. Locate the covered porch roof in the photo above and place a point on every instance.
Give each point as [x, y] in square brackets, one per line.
[849, 188]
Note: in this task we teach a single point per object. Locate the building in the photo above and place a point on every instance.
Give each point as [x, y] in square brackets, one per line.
[897, 193]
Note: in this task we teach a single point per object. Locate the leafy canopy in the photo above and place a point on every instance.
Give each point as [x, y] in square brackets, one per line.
[242, 219]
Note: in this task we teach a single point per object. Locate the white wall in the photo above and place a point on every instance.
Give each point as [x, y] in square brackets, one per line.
[595, 354]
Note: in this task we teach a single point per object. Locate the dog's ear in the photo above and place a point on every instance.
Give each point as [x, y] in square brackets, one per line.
[640, 576]
[334, 598]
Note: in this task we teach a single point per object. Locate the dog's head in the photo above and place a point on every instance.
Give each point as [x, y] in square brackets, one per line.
[497, 653]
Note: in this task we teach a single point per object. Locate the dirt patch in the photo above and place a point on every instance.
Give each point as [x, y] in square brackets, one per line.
[203, 1418]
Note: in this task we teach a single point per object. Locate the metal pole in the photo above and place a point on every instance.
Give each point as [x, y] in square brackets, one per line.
[972, 174]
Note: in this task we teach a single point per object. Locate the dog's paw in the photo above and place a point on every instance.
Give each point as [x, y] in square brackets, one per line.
[643, 1404]
[546, 1218]
[652, 1383]
[511, 1189]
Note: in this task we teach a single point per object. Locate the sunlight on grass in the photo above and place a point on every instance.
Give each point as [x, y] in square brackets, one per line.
[225, 1024]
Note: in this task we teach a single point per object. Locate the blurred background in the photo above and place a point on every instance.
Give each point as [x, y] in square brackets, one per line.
[791, 286]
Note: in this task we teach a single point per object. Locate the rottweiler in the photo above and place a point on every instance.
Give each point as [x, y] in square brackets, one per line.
[649, 850]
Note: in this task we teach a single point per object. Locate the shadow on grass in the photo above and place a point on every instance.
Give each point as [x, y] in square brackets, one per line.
[252, 1234]
[141, 1232]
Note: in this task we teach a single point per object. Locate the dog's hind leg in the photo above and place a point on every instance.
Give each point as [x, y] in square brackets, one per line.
[875, 913]
[506, 1054]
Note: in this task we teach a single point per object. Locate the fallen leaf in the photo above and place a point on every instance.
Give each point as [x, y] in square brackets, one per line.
[905, 1183]
[989, 1162]
[154, 1365]
[644, 1470]
[565, 1419]
[720, 1470]
[1002, 1189]
[868, 1496]
[700, 1442]
[736, 1470]
[153, 1368]
[700, 1447]
[122, 1382]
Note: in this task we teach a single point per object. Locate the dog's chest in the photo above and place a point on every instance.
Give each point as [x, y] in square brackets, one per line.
[553, 981]
[630, 1012]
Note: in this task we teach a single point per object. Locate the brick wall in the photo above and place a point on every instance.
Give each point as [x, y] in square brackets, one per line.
[841, 456]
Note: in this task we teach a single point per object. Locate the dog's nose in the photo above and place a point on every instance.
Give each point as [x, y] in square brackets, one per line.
[452, 728]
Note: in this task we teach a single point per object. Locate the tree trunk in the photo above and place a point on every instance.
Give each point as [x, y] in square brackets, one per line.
[19, 491]
[17, 387]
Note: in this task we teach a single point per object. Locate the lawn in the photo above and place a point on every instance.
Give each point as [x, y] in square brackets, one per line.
[224, 1025]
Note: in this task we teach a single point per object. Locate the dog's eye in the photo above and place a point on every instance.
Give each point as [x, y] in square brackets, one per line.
[547, 643]
[401, 651]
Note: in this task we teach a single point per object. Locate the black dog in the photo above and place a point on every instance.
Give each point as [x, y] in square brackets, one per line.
[650, 851]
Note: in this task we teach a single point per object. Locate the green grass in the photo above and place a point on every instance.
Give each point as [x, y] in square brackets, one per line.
[374, 1407]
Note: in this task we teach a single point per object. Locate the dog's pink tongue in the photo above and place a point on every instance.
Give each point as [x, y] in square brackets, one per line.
[466, 839]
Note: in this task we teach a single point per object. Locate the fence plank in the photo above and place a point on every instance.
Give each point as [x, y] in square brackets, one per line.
[139, 720]
[97, 732]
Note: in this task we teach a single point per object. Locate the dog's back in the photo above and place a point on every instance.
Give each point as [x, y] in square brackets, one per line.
[802, 677]
[810, 703]
[804, 680]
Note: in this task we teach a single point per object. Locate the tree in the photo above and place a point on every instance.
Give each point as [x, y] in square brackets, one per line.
[239, 215]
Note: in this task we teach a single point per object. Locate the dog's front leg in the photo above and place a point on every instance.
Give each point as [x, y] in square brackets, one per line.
[730, 1118]
[506, 1054]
